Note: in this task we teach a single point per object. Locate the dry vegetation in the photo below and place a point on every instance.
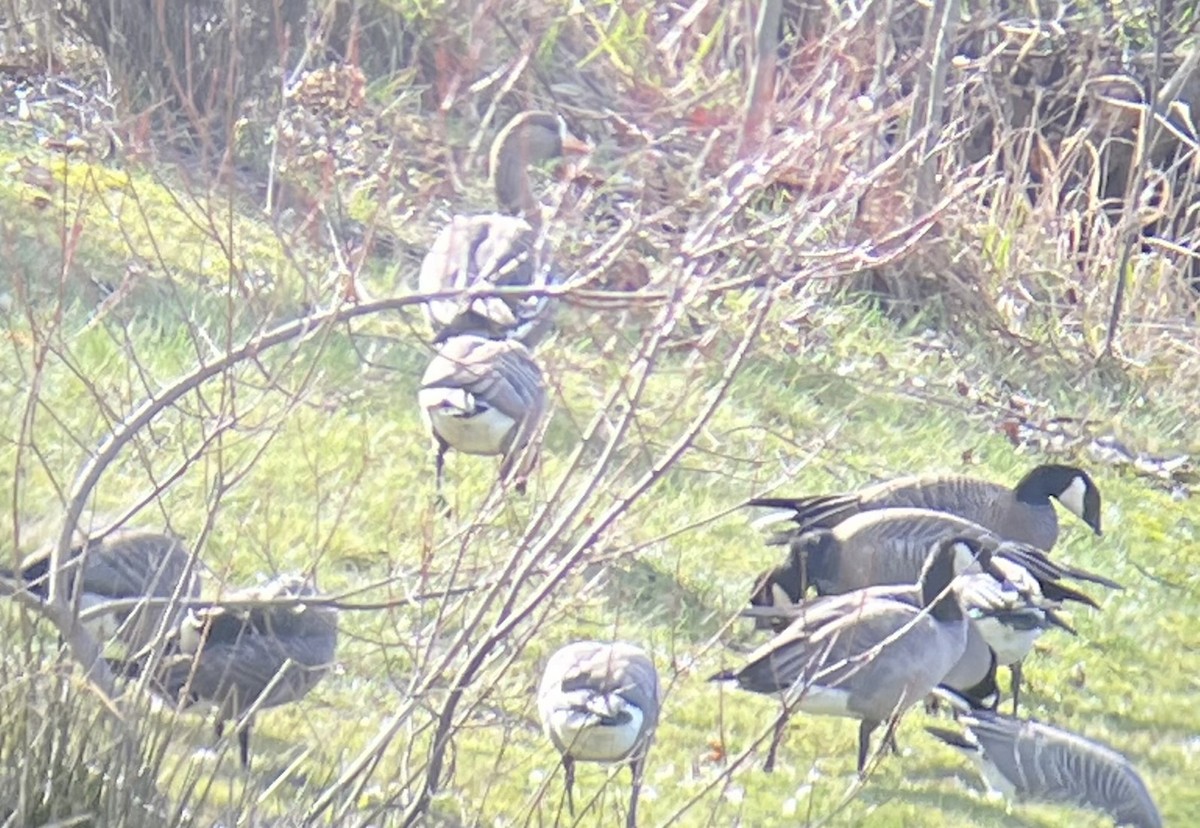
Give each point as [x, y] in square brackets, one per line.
[815, 244]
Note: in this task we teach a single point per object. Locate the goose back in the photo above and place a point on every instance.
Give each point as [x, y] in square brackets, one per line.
[871, 652]
[247, 654]
[483, 396]
[124, 564]
[888, 546]
[1030, 760]
[599, 701]
[492, 250]
[1022, 513]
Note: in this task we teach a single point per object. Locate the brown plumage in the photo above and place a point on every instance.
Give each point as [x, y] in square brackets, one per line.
[886, 546]
[124, 565]
[486, 397]
[599, 702]
[869, 653]
[1020, 513]
[505, 249]
[252, 652]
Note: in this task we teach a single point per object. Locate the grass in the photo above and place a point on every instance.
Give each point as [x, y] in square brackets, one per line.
[333, 472]
[313, 456]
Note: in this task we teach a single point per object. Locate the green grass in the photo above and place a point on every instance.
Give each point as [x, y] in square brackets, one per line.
[325, 464]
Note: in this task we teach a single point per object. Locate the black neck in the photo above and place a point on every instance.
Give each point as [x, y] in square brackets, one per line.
[1044, 482]
[935, 579]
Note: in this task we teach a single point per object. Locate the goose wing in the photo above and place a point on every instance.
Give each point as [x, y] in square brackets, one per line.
[1051, 764]
[497, 250]
[826, 631]
[136, 563]
[966, 497]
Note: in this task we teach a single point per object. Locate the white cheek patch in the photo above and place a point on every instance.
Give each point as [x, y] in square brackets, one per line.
[1072, 496]
[779, 597]
[964, 556]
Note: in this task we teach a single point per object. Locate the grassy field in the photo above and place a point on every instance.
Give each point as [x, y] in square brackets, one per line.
[314, 457]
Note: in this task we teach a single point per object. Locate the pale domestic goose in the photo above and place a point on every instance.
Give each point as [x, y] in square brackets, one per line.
[599, 702]
[486, 397]
[885, 546]
[871, 653]
[500, 249]
[1028, 760]
[1021, 513]
[124, 565]
[258, 649]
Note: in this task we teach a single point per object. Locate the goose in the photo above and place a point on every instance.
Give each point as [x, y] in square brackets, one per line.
[871, 653]
[599, 702]
[253, 651]
[501, 249]
[123, 565]
[1022, 513]
[884, 546]
[1028, 760]
[486, 397]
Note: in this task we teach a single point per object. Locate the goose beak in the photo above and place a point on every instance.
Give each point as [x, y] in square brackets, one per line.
[574, 146]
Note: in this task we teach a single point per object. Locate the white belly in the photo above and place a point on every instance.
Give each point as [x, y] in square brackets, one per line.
[481, 434]
[1011, 645]
[102, 626]
[578, 734]
[826, 701]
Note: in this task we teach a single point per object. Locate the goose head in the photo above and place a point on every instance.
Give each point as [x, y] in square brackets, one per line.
[812, 560]
[532, 137]
[1069, 485]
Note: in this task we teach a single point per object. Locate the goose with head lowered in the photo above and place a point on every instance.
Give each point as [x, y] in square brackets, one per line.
[133, 580]
[599, 702]
[885, 546]
[1031, 761]
[1021, 513]
[486, 397]
[499, 250]
[870, 653]
[261, 647]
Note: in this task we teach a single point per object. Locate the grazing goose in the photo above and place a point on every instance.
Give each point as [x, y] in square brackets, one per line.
[1022, 513]
[598, 702]
[487, 397]
[121, 566]
[256, 650]
[884, 546]
[500, 249]
[1032, 761]
[871, 653]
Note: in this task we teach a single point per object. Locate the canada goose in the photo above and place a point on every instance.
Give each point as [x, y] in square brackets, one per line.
[505, 249]
[121, 566]
[1022, 513]
[599, 702]
[487, 397]
[254, 651]
[884, 546]
[1031, 761]
[974, 674]
[871, 653]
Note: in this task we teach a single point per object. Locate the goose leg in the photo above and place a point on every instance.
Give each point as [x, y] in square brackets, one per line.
[776, 741]
[1016, 683]
[439, 469]
[244, 746]
[569, 772]
[865, 728]
[889, 741]
[636, 766]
